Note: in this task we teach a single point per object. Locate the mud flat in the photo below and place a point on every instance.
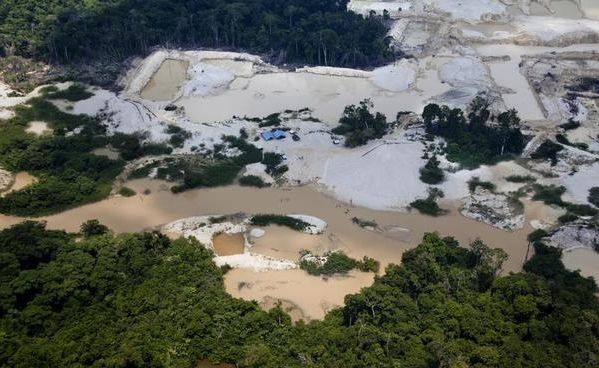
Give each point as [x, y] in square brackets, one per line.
[310, 296]
[584, 259]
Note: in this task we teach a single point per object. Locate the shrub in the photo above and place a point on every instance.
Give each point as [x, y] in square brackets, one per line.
[364, 223]
[564, 140]
[280, 220]
[568, 217]
[280, 170]
[581, 209]
[272, 161]
[549, 194]
[475, 182]
[594, 196]
[93, 228]
[75, 92]
[521, 179]
[270, 120]
[536, 235]
[547, 151]
[368, 264]
[570, 125]
[178, 135]
[127, 192]
[336, 263]
[142, 172]
[252, 181]
[429, 206]
[431, 173]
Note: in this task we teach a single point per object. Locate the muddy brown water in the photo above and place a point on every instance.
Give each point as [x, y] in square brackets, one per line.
[165, 83]
[306, 297]
[161, 206]
[228, 244]
[283, 242]
[303, 296]
[583, 259]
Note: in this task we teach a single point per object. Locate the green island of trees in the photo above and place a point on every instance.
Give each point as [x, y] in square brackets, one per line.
[337, 263]
[479, 138]
[359, 125]
[141, 300]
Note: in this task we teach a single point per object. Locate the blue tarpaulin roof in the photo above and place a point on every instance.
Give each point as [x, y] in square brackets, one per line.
[273, 134]
[267, 136]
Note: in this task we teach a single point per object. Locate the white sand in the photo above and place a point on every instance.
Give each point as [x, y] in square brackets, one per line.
[396, 77]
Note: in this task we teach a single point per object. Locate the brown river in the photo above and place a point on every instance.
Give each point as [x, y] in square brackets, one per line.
[306, 297]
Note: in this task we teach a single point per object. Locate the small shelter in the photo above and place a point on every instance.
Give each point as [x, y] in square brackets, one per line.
[269, 135]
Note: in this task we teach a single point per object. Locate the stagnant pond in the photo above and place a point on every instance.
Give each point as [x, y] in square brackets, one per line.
[167, 80]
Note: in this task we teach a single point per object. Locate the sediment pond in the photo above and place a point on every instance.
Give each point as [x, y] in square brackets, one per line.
[165, 83]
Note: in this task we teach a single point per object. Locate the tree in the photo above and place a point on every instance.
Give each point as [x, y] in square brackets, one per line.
[509, 130]
[431, 173]
[359, 124]
[93, 228]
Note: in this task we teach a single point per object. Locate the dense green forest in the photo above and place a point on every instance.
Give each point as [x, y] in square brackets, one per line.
[303, 31]
[142, 300]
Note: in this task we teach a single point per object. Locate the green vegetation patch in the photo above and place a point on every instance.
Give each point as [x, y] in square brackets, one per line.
[431, 173]
[548, 150]
[479, 138]
[127, 192]
[73, 31]
[549, 194]
[252, 181]
[280, 220]
[520, 179]
[336, 263]
[359, 125]
[68, 173]
[552, 195]
[594, 196]
[561, 138]
[178, 135]
[75, 92]
[217, 170]
[475, 183]
[429, 205]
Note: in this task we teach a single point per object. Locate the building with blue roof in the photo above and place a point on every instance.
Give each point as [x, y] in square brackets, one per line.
[269, 135]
